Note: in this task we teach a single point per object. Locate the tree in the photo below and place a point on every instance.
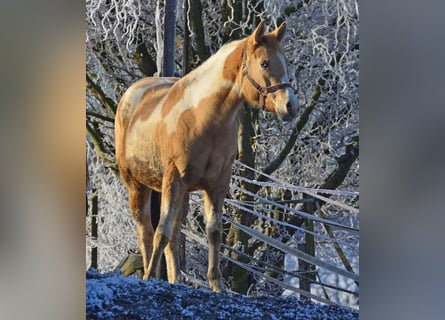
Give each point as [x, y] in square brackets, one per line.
[169, 38]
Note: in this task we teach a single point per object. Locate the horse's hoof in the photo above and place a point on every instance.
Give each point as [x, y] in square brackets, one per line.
[217, 286]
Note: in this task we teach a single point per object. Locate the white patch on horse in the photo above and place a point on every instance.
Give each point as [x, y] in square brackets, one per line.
[137, 148]
[285, 79]
[150, 123]
[133, 95]
[282, 59]
[201, 86]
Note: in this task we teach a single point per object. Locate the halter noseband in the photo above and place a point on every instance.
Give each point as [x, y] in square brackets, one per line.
[263, 91]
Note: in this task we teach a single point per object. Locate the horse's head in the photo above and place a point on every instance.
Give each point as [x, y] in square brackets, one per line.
[265, 80]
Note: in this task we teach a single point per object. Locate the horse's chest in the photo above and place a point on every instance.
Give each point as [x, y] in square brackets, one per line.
[207, 161]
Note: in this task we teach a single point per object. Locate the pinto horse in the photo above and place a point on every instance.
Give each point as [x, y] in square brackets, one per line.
[178, 135]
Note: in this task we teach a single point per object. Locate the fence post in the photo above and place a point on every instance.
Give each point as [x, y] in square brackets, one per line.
[303, 267]
[307, 276]
[94, 216]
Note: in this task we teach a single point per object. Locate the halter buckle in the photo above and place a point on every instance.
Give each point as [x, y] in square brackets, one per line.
[263, 91]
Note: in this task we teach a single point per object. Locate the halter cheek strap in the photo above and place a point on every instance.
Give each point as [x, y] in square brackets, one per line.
[263, 91]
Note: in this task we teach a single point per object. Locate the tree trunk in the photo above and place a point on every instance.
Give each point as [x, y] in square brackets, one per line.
[187, 49]
[168, 67]
[159, 39]
[237, 237]
[94, 223]
[232, 14]
[197, 27]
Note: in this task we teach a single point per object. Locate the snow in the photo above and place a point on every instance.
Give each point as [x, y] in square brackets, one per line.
[112, 296]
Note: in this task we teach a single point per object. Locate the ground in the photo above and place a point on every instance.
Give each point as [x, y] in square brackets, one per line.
[111, 296]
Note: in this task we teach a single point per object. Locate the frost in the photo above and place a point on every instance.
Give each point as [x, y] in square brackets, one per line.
[110, 296]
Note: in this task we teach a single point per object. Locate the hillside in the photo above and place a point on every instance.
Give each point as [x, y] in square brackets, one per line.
[110, 296]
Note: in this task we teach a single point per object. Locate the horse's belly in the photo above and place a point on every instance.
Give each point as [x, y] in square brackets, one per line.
[146, 174]
[148, 177]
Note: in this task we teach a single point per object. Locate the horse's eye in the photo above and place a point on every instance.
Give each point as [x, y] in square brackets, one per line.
[264, 64]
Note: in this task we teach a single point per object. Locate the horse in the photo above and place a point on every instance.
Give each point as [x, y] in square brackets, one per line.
[176, 135]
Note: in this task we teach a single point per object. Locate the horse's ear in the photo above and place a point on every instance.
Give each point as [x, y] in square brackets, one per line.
[259, 32]
[280, 31]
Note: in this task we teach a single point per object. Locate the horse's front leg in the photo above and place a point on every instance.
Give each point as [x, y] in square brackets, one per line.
[171, 251]
[171, 203]
[213, 201]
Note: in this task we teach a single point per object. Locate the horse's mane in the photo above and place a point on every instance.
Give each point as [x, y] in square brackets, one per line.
[210, 62]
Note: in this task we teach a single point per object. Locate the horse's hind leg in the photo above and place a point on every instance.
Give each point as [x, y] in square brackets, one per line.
[139, 200]
[173, 192]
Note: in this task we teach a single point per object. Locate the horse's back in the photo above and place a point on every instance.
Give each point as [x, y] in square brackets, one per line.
[148, 89]
[139, 101]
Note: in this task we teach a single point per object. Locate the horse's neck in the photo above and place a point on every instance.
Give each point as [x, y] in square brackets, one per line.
[208, 95]
[212, 82]
[215, 63]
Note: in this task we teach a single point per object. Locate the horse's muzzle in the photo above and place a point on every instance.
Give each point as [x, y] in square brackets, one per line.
[289, 112]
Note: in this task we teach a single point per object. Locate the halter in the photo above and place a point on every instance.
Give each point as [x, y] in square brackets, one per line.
[263, 91]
